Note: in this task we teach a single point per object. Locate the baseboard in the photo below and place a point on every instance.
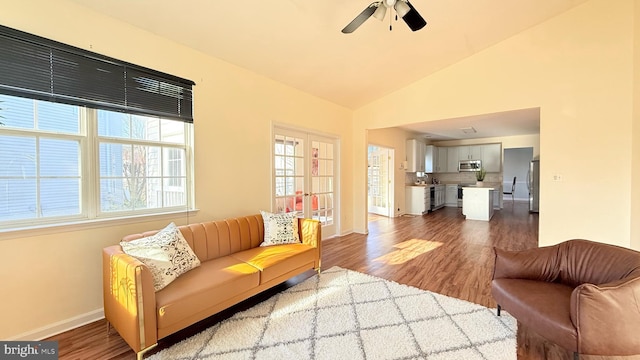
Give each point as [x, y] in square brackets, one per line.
[346, 232]
[60, 326]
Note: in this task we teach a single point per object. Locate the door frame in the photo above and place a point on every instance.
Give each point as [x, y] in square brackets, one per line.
[337, 209]
[390, 181]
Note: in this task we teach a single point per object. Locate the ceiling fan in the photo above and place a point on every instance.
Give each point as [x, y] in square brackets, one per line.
[378, 9]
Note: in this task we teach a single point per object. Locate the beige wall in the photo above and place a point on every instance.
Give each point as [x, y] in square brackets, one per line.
[576, 68]
[51, 277]
[635, 161]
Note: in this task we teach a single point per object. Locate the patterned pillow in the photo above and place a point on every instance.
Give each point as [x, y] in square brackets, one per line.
[280, 229]
[167, 254]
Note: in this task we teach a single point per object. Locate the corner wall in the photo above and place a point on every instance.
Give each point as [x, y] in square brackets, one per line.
[635, 160]
[576, 68]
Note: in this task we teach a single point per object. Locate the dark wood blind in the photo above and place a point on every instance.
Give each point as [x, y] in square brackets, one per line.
[35, 67]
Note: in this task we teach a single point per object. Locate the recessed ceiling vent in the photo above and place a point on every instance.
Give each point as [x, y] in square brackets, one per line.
[469, 130]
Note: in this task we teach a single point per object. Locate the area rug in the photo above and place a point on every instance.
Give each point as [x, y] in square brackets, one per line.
[343, 314]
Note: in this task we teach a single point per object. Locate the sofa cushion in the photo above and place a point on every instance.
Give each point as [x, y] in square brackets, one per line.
[166, 253]
[280, 229]
[275, 261]
[213, 282]
[542, 306]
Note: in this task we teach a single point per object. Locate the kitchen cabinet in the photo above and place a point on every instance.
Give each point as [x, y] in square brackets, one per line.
[441, 163]
[472, 152]
[451, 195]
[477, 203]
[417, 200]
[492, 157]
[452, 159]
[415, 155]
[430, 159]
[497, 198]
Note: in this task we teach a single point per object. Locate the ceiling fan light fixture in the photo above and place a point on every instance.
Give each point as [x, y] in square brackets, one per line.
[380, 12]
[401, 8]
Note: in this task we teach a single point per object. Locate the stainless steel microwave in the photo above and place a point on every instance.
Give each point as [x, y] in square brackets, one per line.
[469, 165]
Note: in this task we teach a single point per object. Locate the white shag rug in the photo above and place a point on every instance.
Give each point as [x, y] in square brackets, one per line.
[343, 314]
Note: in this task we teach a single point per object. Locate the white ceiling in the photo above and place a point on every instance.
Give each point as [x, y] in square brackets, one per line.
[299, 43]
[507, 123]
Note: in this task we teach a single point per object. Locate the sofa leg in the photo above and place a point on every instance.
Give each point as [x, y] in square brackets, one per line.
[108, 328]
[141, 353]
[499, 308]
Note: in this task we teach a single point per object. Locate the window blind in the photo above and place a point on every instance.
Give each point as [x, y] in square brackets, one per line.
[35, 67]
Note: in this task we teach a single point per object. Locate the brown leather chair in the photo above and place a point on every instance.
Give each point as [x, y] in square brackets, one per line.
[581, 295]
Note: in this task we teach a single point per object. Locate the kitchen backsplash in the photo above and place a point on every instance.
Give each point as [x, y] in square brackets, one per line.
[462, 177]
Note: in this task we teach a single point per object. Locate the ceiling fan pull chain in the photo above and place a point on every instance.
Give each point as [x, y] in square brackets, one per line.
[390, 26]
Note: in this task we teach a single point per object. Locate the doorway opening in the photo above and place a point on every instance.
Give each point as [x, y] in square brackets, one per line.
[380, 182]
[516, 164]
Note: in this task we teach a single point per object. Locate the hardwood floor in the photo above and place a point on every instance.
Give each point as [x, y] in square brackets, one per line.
[439, 252]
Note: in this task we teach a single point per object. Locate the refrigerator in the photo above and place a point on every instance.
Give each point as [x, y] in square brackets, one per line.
[533, 184]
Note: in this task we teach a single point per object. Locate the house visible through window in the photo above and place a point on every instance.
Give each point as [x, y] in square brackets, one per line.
[49, 172]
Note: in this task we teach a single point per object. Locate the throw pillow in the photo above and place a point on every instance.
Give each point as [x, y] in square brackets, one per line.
[280, 229]
[167, 254]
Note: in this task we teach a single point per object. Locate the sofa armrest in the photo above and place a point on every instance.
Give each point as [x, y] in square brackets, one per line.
[607, 317]
[310, 232]
[532, 264]
[129, 298]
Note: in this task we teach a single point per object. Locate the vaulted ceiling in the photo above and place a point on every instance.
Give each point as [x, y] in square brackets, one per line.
[299, 43]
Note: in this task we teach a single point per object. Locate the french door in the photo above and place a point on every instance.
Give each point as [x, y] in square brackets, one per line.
[380, 180]
[304, 177]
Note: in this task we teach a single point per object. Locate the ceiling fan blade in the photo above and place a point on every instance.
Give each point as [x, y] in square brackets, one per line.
[360, 19]
[412, 17]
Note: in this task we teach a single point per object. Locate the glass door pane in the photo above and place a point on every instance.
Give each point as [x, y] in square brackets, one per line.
[322, 181]
[289, 174]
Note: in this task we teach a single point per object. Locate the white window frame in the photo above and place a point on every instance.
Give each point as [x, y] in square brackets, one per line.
[90, 208]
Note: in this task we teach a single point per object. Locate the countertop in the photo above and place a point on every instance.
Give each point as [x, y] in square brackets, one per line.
[487, 187]
[494, 185]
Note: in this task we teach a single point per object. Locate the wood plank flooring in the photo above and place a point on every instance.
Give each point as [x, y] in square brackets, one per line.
[439, 252]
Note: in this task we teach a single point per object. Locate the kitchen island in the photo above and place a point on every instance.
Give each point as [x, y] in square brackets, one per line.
[477, 202]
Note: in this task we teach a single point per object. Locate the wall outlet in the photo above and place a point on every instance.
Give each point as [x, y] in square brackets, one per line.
[557, 177]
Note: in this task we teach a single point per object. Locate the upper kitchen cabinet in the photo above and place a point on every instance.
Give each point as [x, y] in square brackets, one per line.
[441, 160]
[452, 159]
[435, 159]
[492, 157]
[415, 156]
[430, 159]
[472, 152]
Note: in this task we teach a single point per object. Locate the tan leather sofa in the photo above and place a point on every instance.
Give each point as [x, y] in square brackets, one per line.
[233, 268]
[581, 295]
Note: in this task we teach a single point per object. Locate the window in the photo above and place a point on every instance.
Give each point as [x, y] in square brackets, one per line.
[47, 172]
[84, 136]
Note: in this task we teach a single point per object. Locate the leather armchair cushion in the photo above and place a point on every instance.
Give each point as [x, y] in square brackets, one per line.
[545, 304]
[274, 261]
[213, 282]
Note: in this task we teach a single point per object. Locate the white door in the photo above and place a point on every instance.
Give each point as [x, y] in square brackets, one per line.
[379, 180]
[304, 177]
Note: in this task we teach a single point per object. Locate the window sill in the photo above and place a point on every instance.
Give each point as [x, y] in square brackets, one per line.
[90, 224]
